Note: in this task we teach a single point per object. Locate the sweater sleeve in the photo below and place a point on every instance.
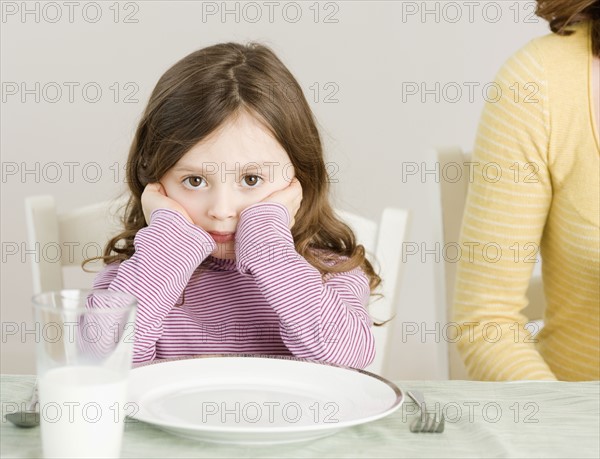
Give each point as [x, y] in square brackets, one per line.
[167, 252]
[320, 320]
[506, 209]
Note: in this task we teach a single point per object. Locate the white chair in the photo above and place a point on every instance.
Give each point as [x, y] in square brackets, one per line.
[382, 241]
[65, 240]
[92, 226]
[451, 198]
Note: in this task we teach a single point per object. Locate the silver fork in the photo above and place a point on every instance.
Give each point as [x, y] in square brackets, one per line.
[427, 422]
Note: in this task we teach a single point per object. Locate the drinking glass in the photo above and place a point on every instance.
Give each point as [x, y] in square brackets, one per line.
[84, 352]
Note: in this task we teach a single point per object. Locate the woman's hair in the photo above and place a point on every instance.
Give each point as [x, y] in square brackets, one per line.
[193, 99]
[561, 14]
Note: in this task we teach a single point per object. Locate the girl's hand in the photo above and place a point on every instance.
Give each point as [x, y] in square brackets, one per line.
[155, 197]
[290, 197]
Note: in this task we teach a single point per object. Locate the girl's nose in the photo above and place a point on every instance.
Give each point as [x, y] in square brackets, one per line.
[222, 207]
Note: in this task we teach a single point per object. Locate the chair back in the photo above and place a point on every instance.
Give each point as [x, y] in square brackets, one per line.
[383, 243]
[66, 239]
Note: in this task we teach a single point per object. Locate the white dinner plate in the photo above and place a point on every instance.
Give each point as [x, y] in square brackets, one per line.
[257, 399]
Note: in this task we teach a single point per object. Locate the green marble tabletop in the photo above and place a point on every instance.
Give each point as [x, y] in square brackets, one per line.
[483, 419]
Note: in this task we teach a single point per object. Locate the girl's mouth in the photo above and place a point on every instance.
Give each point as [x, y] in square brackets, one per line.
[221, 238]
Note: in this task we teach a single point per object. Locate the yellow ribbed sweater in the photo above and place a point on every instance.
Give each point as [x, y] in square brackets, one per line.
[541, 134]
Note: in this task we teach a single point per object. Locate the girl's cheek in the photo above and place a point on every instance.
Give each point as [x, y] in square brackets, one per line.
[171, 190]
[191, 207]
[181, 198]
[254, 198]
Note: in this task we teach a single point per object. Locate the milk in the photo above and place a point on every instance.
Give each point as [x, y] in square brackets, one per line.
[82, 411]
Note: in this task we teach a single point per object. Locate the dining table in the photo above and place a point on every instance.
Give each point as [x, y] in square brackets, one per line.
[482, 419]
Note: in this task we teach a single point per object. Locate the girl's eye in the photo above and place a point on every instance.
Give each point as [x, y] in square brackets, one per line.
[251, 180]
[194, 182]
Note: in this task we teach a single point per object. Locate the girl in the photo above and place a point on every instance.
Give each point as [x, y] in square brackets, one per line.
[230, 244]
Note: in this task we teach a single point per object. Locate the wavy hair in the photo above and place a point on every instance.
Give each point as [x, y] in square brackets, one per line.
[561, 14]
[194, 98]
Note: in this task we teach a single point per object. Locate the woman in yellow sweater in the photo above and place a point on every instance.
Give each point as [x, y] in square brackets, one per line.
[543, 135]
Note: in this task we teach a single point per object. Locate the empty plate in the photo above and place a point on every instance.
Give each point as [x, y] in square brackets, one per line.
[257, 399]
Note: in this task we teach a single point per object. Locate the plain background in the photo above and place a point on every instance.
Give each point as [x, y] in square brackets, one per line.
[358, 73]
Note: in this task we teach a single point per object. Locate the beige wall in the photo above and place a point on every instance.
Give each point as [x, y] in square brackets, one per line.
[363, 65]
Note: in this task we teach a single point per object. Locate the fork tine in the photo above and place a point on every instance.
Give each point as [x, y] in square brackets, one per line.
[431, 423]
[416, 425]
[424, 421]
[440, 427]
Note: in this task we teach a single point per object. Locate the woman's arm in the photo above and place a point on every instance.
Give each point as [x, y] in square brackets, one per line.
[503, 222]
[167, 252]
[321, 320]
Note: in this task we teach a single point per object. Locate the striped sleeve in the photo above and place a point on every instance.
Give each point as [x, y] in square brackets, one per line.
[167, 252]
[505, 213]
[320, 320]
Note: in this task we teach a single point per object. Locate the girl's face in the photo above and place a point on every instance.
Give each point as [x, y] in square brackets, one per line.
[238, 165]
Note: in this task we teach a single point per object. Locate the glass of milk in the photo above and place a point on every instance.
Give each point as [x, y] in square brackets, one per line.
[84, 353]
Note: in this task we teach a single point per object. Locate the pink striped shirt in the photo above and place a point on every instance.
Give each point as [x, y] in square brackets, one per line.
[269, 300]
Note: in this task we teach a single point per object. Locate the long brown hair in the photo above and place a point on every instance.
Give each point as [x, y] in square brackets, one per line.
[194, 98]
[561, 14]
